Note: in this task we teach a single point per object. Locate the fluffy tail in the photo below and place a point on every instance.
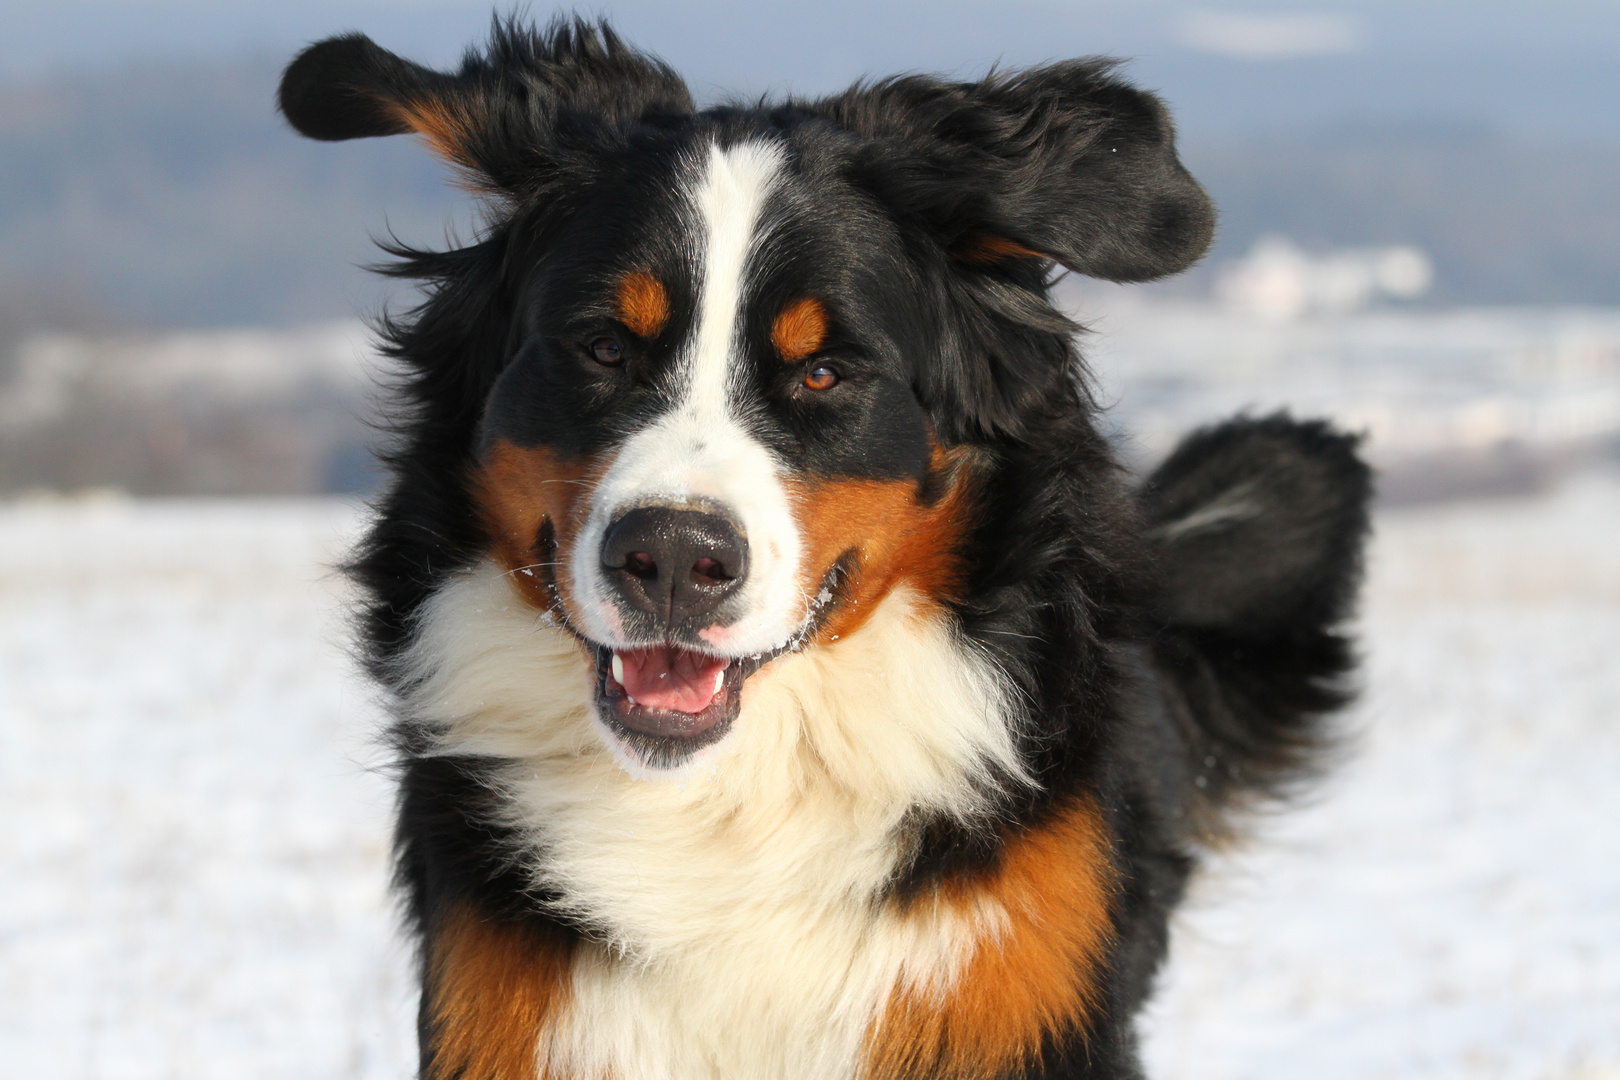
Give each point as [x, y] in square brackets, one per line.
[1258, 526]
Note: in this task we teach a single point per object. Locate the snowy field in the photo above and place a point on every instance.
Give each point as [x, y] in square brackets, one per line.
[193, 827]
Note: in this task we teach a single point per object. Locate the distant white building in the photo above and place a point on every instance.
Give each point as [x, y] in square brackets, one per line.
[1452, 401]
[1278, 281]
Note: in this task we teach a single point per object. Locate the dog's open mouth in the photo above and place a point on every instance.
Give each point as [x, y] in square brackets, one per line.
[668, 691]
[666, 702]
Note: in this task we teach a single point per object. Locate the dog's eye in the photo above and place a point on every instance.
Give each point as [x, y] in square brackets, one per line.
[607, 352]
[821, 377]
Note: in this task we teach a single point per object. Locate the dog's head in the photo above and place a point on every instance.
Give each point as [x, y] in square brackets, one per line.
[747, 354]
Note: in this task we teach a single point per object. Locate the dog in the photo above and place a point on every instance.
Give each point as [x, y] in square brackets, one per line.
[790, 681]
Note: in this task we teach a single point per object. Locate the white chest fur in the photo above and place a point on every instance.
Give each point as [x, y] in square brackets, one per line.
[740, 931]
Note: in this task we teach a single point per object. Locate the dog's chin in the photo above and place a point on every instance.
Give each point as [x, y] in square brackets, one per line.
[663, 737]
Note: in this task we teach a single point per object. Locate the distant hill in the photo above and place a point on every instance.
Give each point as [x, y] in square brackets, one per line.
[172, 196]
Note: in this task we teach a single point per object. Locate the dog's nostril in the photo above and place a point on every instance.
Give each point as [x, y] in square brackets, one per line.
[640, 564]
[709, 570]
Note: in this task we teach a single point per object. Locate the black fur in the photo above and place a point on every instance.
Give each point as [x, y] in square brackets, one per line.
[538, 105]
[1259, 526]
[1066, 159]
[1177, 646]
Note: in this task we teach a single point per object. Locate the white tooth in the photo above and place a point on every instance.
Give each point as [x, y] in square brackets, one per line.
[618, 669]
[630, 699]
[719, 680]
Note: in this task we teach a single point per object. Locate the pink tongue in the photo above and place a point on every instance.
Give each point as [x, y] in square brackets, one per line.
[669, 678]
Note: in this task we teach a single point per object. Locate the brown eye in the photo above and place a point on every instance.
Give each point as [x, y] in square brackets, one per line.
[821, 378]
[606, 351]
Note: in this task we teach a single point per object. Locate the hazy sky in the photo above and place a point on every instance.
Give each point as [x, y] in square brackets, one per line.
[1551, 66]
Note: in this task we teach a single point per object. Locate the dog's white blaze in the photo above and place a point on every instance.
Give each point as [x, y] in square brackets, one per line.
[699, 451]
[737, 933]
[729, 203]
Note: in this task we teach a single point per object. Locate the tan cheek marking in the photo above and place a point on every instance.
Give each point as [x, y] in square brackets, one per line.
[1035, 975]
[985, 250]
[800, 329]
[895, 537]
[492, 986]
[642, 304]
[519, 489]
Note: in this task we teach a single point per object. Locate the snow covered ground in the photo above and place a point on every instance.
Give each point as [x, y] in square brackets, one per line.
[193, 827]
[192, 859]
[1449, 907]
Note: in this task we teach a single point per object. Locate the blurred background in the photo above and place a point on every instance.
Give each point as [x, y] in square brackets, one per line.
[1420, 236]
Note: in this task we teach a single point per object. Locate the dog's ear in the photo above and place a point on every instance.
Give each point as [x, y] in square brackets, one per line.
[513, 114]
[1065, 162]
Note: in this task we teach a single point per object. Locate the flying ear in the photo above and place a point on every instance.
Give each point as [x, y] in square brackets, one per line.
[346, 87]
[1066, 162]
[506, 119]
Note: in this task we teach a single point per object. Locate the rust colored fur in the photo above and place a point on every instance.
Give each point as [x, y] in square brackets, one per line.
[894, 533]
[491, 986]
[1033, 978]
[984, 250]
[522, 491]
[800, 329]
[642, 304]
[448, 131]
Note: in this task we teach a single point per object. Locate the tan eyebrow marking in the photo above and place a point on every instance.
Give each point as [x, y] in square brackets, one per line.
[800, 329]
[642, 304]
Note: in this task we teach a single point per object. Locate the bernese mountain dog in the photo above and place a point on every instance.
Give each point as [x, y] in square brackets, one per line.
[790, 682]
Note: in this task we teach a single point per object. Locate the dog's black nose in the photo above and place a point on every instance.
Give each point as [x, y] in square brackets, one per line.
[675, 565]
